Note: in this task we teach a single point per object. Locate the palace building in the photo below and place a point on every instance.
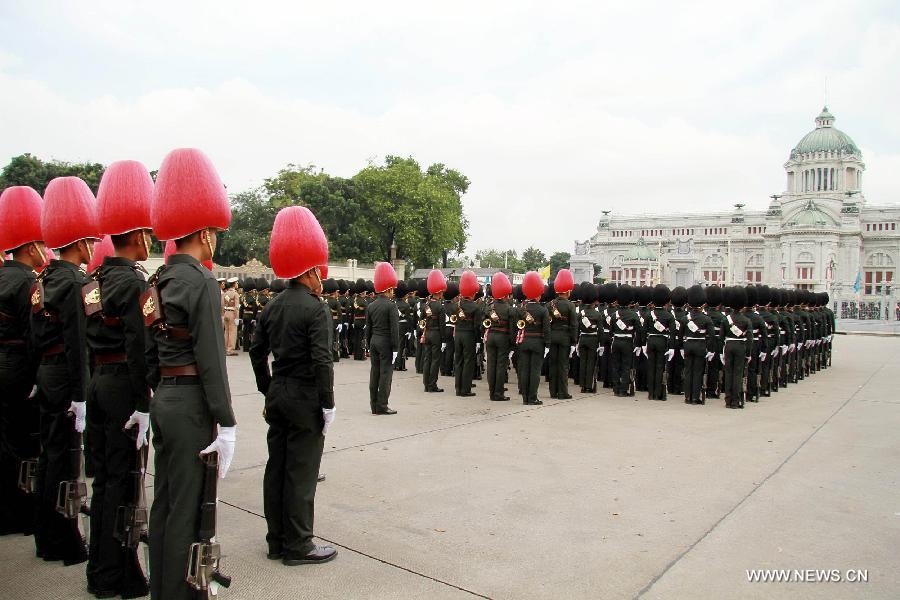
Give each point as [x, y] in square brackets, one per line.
[819, 234]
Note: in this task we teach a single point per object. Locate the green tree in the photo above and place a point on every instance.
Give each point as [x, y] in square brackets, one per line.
[252, 217]
[559, 260]
[508, 259]
[533, 259]
[29, 170]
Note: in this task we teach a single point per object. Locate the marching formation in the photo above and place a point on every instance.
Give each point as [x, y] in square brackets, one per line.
[92, 361]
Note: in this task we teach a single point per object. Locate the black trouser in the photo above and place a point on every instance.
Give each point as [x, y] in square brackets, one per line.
[359, 351]
[110, 402]
[56, 537]
[657, 345]
[463, 360]
[558, 364]
[765, 366]
[694, 367]
[295, 443]
[19, 440]
[497, 349]
[431, 359]
[400, 363]
[587, 361]
[714, 371]
[735, 353]
[248, 324]
[676, 371]
[381, 373]
[447, 360]
[621, 361]
[420, 355]
[345, 339]
[640, 373]
[531, 355]
[182, 427]
[753, 372]
[336, 342]
[604, 362]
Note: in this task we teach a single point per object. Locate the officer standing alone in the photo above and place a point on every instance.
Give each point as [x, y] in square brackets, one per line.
[382, 338]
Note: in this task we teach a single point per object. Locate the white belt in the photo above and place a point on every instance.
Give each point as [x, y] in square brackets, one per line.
[734, 339]
[628, 335]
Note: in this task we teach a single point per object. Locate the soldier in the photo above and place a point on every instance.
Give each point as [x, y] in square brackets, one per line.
[533, 337]
[192, 398]
[20, 213]
[330, 291]
[626, 328]
[118, 397]
[769, 346]
[660, 341]
[406, 321]
[588, 338]
[563, 334]
[359, 319]
[448, 348]
[230, 302]
[499, 336]
[382, 338]
[431, 322]
[759, 340]
[346, 318]
[68, 222]
[251, 306]
[697, 331]
[644, 296]
[466, 315]
[606, 294]
[737, 343]
[418, 303]
[676, 367]
[714, 366]
[298, 330]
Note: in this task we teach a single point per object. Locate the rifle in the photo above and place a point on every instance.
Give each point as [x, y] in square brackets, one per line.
[28, 475]
[132, 518]
[204, 556]
[71, 497]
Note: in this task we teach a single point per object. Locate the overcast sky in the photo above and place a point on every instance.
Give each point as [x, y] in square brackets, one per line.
[553, 113]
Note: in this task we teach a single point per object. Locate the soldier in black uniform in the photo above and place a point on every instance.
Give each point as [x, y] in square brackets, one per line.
[533, 338]
[57, 324]
[20, 235]
[588, 338]
[406, 323]
[644, 295]
[431, 321]
[382, 338]
[298, 330]
[448, 348]
[466, 315]
[770, 344]
[358, 311]
[118, 395]
[660, 341]
[607, 295]
[759, 336]
[676, 366]
[697, 332]
[563, 334]
[500, 337]
[250, 306]
[330, 291]
[625, 325]
[714, 366]
[190, 412]
[738, 343]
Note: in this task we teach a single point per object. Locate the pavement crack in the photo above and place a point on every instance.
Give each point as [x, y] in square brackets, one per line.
[755, 488]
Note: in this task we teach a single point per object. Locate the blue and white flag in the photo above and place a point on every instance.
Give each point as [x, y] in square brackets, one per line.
[857, 285]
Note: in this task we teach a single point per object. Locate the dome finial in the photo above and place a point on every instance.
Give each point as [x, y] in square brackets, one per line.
[825, 118]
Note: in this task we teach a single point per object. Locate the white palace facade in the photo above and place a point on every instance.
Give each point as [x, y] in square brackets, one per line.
[819, 234]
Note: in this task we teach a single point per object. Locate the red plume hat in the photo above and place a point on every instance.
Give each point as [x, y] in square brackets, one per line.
[123, 199]
[468, 284]
[532, 285]
[102, 249]
[298, 243]
[564, 282]
[69, 212]
[385, 277]
[436, 282]
[500, 285]
[188, 196]
[20, 217]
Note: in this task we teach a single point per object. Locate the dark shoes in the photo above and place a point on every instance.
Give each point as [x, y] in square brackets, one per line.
[434, 390]
[466, 394]
[319, 554]
[321, 477]
[500, 399]
[534, 402]
[386, 411]
[565, 397]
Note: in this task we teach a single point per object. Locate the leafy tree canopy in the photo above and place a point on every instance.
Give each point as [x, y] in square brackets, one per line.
[29, 170]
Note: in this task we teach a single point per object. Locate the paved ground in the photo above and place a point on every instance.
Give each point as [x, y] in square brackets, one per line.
[868, 326]
[595, 497]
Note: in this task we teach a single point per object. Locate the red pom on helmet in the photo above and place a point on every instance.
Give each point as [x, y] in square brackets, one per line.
[436, 282]
[188, 196]
[20, 217]
[564, 282]
[385, 277]
[500, 285]
[102, 249]
[468, 284]
[69, 212]
[298, 243]
[123, 198]
[532, 285]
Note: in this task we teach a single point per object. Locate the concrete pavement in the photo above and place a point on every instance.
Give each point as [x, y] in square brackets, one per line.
[594, 497]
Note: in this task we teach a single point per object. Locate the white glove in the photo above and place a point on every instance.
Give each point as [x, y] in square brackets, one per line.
[682, 353]
[443, 346]
[546, 352]
[670, 353]
[33, 393]
[328, 415]
[337, 329]
[784, 349]
[510, 355]
[644, 350]
[393, 359]
[775, 352]
[409, 335]
[637, 351]
[142, 420]
[572, 350]
[224, 445]
[722, 358]
[600, 351]
[710, 356]
[80, 411]
[762, 357]
[477, 347]
[237, 321]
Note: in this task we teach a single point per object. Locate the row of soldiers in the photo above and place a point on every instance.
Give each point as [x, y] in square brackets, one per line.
[91, 362]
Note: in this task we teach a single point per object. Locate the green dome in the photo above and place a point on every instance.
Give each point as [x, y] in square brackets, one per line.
[825, 138]
[640, 252]
[811, 216]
